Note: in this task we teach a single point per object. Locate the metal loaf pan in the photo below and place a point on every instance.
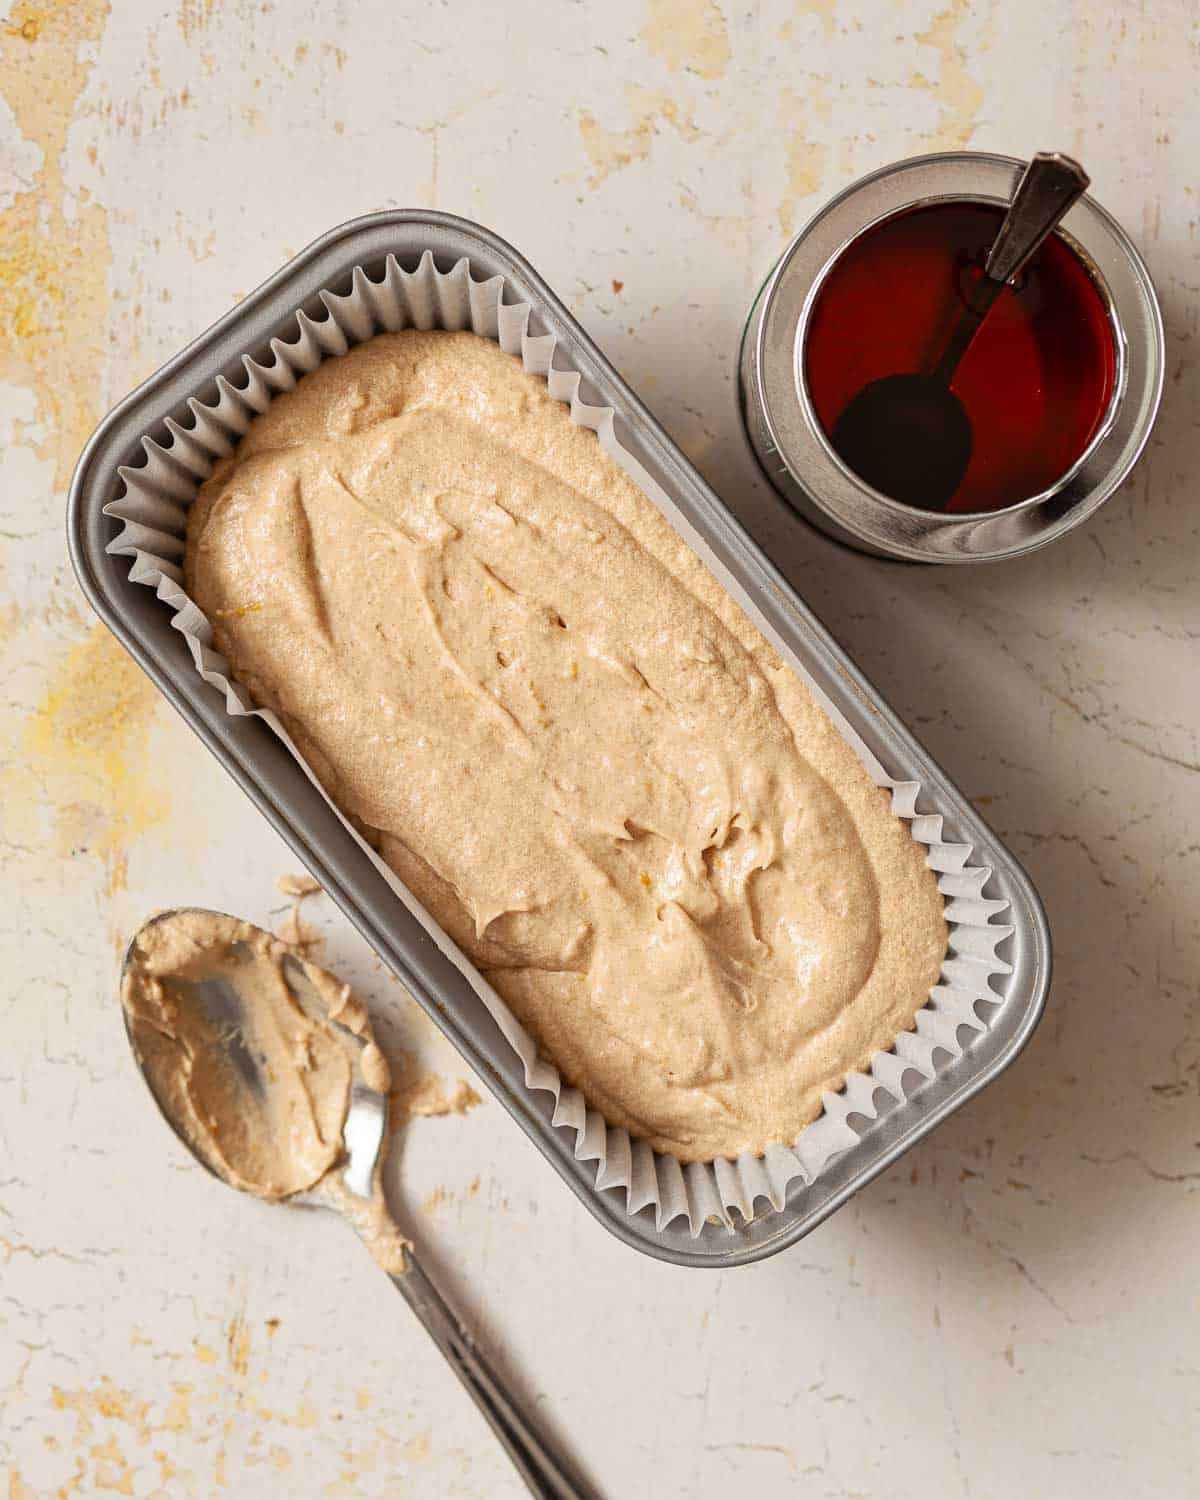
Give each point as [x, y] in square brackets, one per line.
[274, 780]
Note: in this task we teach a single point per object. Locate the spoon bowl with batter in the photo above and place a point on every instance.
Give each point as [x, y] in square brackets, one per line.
[265, 1066]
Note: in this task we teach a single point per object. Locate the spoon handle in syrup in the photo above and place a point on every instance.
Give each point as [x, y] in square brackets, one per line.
[544, 1473]
[1050, 185]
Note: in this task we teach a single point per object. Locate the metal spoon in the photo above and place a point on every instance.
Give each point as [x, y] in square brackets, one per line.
[898, 415]
[364, 1138]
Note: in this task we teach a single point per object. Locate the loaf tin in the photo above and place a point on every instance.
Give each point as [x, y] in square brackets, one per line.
[879, 1115]
[796, 455]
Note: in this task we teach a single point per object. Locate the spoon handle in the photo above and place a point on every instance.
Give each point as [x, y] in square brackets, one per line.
[545, 1474]
[1050, 185]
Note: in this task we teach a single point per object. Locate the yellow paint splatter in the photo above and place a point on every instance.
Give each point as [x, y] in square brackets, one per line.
[111, 1423]
[166, 1468]
[106, 1401]
[112, 1471]
[732, 230]
[30, 28]
[237, 1344]
[87, 754]
[958, 95]
[306, 1415]
[610, 150]
[805, 159]
[690, 36]
[417, 1449]
[825, 10]
[194, 16]
[205, 1354]
[54, 254]
[178, 1415]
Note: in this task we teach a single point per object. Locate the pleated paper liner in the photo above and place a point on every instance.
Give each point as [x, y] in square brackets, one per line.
[153, 509]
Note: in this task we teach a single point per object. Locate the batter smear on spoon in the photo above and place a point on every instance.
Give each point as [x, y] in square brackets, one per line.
[256, 1078]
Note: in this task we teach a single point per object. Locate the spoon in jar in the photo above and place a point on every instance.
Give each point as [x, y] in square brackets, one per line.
[909, 436]
[265, 1066]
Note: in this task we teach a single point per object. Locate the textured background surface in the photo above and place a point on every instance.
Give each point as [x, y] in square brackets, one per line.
[1013, 1311]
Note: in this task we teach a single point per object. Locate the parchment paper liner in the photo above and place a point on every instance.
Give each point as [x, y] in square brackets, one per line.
[153, 509]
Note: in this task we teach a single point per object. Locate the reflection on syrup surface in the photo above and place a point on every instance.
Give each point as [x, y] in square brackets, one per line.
[1037, 379]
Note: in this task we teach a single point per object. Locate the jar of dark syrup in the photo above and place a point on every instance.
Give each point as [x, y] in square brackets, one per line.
[1061, 383]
